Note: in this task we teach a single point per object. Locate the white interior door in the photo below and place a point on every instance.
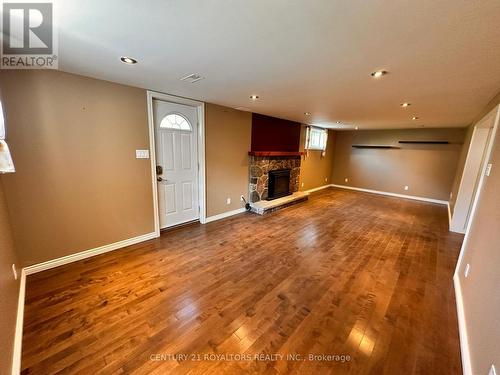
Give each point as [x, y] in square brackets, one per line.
[176, 128]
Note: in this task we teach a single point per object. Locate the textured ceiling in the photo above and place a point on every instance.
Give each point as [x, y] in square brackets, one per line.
[298, 56]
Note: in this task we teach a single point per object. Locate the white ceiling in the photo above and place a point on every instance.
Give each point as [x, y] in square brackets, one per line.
[309, 55]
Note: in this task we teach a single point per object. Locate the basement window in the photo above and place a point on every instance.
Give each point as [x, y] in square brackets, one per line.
[6, 164]
[316, 138]
[175, 121]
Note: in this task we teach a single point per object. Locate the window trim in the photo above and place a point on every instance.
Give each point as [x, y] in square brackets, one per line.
[323, 132]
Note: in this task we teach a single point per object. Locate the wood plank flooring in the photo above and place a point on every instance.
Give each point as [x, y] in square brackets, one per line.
[365, 279]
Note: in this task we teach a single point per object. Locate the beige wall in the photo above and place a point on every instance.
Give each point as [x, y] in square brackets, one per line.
[480, 291]
[315, 168]
[9, 288]
[428, 170]
[227, 142]
[77, 184]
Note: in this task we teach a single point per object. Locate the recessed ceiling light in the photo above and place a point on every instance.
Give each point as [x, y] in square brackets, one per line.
[414, 118]
[404, 105]
[254, 97]
[128, 60]
[379, 73]
[307, 113]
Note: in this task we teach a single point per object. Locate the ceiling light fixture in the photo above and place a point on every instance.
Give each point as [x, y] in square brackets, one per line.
[307, 113]
[404, 105]
[356, 127]
[414, 118]
[338, 122]
[254, 97]
[128, 60]
[379, 73]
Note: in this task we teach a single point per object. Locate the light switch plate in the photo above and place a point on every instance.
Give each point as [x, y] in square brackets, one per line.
[488, 169]
[142, 154]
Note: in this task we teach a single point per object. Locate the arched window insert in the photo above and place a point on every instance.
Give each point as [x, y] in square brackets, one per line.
[175, 121]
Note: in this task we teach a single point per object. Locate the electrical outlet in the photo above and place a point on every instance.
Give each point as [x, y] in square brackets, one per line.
[407, 187]
[14, 271]
[346, 180]
[242, 198]
[467, 270]
[228, 201]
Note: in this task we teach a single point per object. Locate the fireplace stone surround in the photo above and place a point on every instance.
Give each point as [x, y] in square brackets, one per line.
[259, 168]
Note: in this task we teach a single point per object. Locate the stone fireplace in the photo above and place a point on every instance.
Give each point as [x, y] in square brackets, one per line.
[260, 166]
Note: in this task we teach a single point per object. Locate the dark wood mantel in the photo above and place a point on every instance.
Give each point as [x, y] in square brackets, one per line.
[275, 153]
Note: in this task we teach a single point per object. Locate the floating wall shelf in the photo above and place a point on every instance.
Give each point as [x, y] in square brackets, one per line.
[427, 142]
[375, 146]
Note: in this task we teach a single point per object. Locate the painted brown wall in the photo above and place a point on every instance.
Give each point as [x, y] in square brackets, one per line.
[78, 184]
[315, 168]
[227, 142]
[428, 170]
[274, 134]
[9, 289]
[480, 291]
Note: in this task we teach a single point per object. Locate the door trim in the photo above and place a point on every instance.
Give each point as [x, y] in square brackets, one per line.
[200, 107]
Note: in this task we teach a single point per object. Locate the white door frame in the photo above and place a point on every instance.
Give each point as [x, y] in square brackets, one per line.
[200, 107]
[462, 325]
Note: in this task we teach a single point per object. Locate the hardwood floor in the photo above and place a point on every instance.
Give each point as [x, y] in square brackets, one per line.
[346, 274]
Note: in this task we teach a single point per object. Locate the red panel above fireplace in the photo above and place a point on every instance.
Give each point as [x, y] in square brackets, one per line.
[271, 134]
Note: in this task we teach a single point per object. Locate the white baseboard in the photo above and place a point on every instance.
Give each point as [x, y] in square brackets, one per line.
[18, 336]
[87, 254]
[413, 197]
[225, 214]
[462, 328]
[317, 188]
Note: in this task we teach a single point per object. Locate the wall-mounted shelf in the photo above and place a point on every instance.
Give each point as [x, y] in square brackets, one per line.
[427, 142]
[275, 153]
[375, 146]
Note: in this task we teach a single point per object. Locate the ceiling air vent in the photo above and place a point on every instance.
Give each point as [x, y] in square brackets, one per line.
[192, 78]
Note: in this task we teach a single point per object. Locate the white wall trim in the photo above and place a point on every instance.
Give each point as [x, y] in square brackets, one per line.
[18, 336]
[225, 214]
[479, 188]
[87, 254]
[462, 328]
[318, 188]
[462, 324]
[413, 197]
[200, 106]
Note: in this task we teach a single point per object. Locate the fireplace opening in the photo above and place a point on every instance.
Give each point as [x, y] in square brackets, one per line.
[279, 184]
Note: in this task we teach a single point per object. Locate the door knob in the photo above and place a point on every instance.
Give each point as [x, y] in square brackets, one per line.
[159, 179]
